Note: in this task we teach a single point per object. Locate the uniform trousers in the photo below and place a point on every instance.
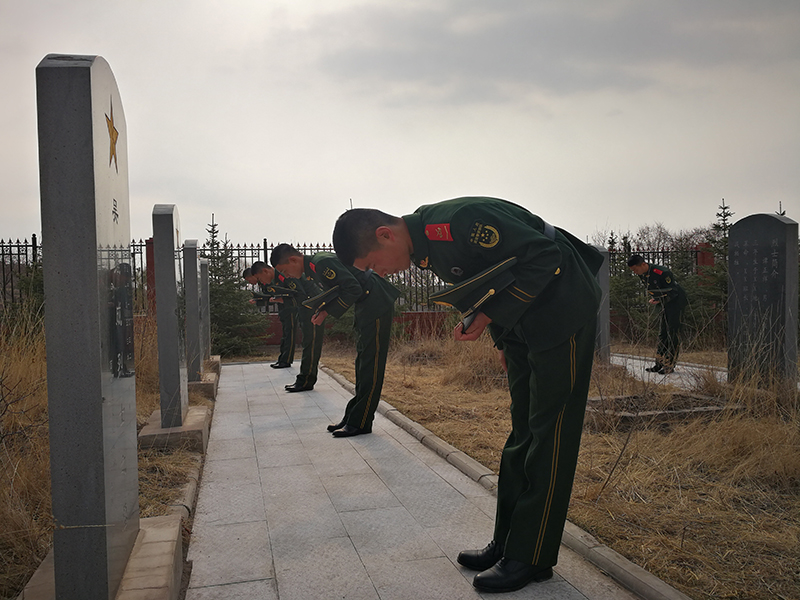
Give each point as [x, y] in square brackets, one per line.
[669, 334]
[372, 347]
[312, 348]
[548, 399]
[287, 313]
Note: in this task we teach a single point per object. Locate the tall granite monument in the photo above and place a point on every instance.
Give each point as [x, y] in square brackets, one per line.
[83, 166]
[191, 287]
[171, 342]
[762, 299]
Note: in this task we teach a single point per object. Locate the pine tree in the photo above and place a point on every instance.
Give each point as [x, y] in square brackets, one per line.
[232, 316]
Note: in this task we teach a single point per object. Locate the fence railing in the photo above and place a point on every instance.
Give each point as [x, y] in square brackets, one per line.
[18, 260]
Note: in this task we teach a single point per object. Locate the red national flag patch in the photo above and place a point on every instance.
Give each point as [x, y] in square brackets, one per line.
[439, 232]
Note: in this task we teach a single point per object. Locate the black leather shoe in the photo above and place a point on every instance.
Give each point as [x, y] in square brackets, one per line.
[509, 575]
[280, 365]
[348, 431]
[480, 560]
[655, 368]
[299, 388]
[333, 428]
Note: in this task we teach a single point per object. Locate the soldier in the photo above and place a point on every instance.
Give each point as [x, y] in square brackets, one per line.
[312, 334]
[544, 324]
[287, 314]
[373, 299]
[665, 291]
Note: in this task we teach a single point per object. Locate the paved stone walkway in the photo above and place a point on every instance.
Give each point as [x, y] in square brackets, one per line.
[286, 511]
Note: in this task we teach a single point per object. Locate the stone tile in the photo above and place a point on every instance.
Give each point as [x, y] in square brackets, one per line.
[402, 471]
[264, 589]
[327, 568]
[225, 503]
[236, 471]
[282, 455]
[391, 534]
[430, 578]
[233, 553]
[339, 458]
[227, 449]
[358, 491]
[434, 505]
[378, 444]
[293, 481]
[230, 430]
[553, 589]
[584, 577]
[309, 517]
[487, 504]
[276, 437]
[461, 482]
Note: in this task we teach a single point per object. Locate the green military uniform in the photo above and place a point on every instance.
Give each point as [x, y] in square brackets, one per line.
[312, 334]
[287, 313]
[373, 299]
[545, 324]
[661, 286]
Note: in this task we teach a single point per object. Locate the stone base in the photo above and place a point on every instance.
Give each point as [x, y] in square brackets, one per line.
[206, 387]
[213, 364]
[192, 435]
[153, 571]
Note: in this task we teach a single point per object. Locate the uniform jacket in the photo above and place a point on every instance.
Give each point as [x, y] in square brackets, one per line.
[661, 286]
[305, 287]
[371, 294]
[554, 287]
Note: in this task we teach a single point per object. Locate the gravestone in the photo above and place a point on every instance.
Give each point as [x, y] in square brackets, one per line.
[205, 310]
[171, 344]
[194, 358]
[83, 165]
[603, 338]
[762, 298]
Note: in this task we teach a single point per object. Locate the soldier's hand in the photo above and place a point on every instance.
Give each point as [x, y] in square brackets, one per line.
[654, 301]
[319, 317]
[475, 329]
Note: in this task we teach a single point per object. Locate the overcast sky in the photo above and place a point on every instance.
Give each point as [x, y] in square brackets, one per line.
[275, 114]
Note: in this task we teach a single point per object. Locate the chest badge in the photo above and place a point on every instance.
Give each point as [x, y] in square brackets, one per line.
[485, 236]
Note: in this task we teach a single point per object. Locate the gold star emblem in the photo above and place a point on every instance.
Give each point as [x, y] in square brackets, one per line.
[113, 135]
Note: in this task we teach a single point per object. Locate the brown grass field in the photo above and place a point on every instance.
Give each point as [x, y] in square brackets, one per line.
[26, 523]
[712, 507]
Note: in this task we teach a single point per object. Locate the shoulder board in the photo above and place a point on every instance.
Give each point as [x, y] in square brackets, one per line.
[438, 232]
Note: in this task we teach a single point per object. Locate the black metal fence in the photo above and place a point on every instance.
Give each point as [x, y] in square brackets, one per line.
[19, 260]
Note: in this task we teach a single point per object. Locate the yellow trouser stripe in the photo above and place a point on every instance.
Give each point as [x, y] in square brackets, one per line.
[554, 462]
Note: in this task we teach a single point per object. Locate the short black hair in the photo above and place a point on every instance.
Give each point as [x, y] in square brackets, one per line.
[354, 232]
[635, 260]
[259, 266]
[248, 272]
[281, 253]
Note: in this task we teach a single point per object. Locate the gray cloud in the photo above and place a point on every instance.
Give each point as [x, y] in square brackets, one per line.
[485, 50]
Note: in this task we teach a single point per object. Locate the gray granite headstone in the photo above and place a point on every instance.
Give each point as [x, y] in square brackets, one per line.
[194, 359]
[762, 298]
[205, 310]
[83, 168]
[603, 339]
[171, 344]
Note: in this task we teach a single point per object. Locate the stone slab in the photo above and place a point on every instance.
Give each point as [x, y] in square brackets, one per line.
[207, 386]
[192, 435]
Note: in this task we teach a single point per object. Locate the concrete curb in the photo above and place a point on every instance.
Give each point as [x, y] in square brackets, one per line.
[633, 577]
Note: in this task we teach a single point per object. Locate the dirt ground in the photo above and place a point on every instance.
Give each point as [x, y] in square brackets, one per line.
[711, 506]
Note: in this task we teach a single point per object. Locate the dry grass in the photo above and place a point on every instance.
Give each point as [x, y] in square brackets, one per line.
[712, 507]
[25, 513]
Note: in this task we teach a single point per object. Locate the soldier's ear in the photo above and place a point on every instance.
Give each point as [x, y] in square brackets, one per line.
[384, 233]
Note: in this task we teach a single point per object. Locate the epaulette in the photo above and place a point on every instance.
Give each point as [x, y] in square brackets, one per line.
[469, 295]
